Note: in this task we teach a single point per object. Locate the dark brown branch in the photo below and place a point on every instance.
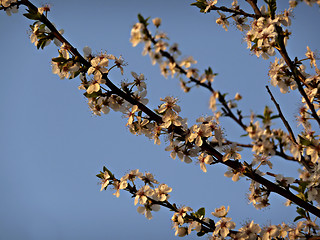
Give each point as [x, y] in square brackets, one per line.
[228, 111]
[253, 4]
[298, 78]
[285, 122]
[236, 165]
[234, 11]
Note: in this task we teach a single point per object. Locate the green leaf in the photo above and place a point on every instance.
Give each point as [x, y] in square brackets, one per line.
[297, 218]
[201, 212]
[41, 43]
[58, 59]
[303, 185]
[75, 74]
[272, 7]
[295, 188]
[201, 4]
[109, 172]
[143, 20]
[100, 175]
[304, 141]
[200, 234]
[301, 212]
[33, 15]
[93, 95]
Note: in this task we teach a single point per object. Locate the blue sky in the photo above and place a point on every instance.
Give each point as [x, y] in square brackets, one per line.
[52, 145]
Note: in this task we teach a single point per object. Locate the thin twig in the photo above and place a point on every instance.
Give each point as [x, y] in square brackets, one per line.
[285, 122]
[287, 125]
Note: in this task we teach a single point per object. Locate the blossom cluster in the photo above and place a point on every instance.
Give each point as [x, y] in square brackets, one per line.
[265, 32]
[167, 56]
[264, 35]
[9, 6]
[151, 195]
[186, 146]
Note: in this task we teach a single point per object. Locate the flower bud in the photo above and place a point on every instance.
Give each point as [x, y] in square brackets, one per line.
[156, 21]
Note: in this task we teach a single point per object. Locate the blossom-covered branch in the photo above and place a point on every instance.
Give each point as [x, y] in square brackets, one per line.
[204, 141]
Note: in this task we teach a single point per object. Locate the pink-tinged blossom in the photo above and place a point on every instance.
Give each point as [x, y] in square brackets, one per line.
[132, 175]
[139, 81]
[270, 232]
[87, 52]
[210, 3]
[98, 66]
[261, 160]
[220, 212]
[141, 97]
[160, 46]
[312, 57]
[180, 231]
[169, 105]
[147, 208]
[161, 193]
[234, 174]
[118, 185]
[131, 114]
[180, 214]
[12, 9]
[149, 179]
[284, 181]
[231, 152]
[6, 3]
[223, 227]
[222, 20]
[67, 70]
[197, 133]
[142, 195]
[98, 106]
[136, 34]
[187, 62]
[171, 119]
[204, 159]
[250, 231]
[44, 9]
[105, 180]
[118, 62]
[176, 149]
[94, 85]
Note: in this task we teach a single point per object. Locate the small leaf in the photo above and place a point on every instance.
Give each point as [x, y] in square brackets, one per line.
[143, 20]
[32, 14]
[93, 95]
[295, 188]
[201, 4]
[301, 212]
[201, 212]
[304, 141]
[200, 234]
[58, 59]
[297, 218]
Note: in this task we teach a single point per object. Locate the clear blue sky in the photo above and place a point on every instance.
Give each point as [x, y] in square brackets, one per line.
[52, 146]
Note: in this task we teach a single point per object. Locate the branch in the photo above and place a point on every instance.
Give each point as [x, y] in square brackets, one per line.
[234, 11]
[236, 165]
[253, 4]
[298, 78]
[221, 99]
[285, 122]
